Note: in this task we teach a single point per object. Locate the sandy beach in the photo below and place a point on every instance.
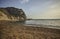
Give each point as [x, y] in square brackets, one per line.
[12, 30]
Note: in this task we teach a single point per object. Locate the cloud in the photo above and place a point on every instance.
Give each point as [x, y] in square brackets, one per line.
[53, 11]
[24, 1]
[48, 10]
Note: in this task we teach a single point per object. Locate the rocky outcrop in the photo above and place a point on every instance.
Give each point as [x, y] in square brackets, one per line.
[12, 14]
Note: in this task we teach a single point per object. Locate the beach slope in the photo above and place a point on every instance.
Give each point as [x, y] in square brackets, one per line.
[12, 30]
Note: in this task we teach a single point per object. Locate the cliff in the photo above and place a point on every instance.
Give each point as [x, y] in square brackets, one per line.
[12, 14]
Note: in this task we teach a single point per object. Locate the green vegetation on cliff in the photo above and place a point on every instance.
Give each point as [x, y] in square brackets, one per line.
[13, 14]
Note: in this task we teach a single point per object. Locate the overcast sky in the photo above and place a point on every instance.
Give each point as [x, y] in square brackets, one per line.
[37, 9]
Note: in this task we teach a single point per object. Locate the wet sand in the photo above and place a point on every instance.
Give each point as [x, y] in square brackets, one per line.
[12, 30]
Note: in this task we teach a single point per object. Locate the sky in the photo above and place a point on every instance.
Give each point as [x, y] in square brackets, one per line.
[36, 9]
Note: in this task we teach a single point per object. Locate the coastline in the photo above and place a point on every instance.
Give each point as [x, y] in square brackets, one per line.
[44, 26]
[11, 30]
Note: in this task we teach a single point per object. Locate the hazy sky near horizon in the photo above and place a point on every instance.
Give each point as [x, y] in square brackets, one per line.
[37, 9]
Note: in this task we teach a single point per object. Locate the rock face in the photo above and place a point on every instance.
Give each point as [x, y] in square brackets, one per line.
[12, 14]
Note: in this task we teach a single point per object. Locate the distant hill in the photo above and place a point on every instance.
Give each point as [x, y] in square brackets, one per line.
[12, 14]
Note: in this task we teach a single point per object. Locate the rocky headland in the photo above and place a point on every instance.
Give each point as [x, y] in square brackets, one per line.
[12, 14]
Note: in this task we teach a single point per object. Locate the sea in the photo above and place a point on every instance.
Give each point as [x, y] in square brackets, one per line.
[50, 23]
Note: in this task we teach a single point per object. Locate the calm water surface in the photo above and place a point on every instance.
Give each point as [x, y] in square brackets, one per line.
[44, 22]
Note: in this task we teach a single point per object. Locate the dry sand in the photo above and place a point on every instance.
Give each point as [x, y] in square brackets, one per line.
[10, 30]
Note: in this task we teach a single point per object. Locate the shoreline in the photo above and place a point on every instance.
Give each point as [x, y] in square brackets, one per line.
[44, 26]
[32, 25]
